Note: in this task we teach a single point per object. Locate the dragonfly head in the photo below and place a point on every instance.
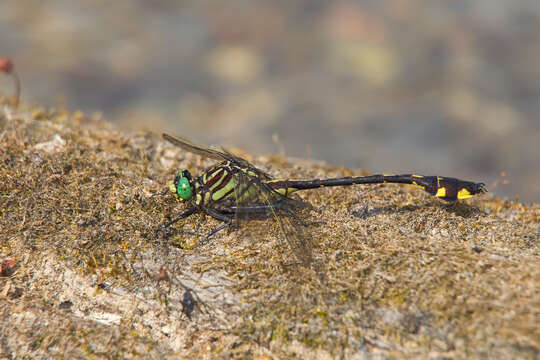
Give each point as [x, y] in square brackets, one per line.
[182, 186]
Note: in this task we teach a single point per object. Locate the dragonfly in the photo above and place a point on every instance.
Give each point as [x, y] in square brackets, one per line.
[235, 186]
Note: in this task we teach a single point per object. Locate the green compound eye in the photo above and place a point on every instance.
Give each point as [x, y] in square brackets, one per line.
[184, 189]
[182, 182]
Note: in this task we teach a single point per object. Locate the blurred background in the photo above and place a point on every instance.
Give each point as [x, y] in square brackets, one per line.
[433, 87]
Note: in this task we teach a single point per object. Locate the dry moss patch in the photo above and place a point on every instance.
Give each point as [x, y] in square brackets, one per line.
[393, 273]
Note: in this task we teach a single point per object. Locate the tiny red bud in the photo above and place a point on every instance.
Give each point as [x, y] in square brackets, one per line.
[6, 65]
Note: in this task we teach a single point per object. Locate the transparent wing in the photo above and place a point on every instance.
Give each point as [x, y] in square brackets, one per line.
[254, 196]
[214, 154]
[193, 148]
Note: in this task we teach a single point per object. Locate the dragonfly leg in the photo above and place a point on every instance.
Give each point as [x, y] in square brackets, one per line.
[250, 209]
[227, 221]
[163, 193]
[184, 215]
[199, 223]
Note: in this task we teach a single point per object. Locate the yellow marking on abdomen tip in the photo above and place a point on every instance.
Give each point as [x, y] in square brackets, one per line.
[464, 194]
[441, 192]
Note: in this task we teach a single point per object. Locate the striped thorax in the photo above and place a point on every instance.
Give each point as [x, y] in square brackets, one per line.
[224, 184]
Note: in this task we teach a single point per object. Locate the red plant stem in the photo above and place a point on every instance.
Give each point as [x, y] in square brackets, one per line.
[7, 67]
[17, 83]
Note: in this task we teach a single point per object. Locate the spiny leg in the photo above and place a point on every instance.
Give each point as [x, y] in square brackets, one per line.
[199, 223]
[163, 193]
[250, 209]
[197, 227]
[184, 215]
[227, 221]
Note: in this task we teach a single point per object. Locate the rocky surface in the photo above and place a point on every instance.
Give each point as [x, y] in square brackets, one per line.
[394, 273]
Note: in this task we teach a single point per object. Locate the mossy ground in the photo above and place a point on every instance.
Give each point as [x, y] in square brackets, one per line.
[393, 272]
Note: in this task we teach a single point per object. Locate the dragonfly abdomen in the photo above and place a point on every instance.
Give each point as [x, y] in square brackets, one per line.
[446, 188]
